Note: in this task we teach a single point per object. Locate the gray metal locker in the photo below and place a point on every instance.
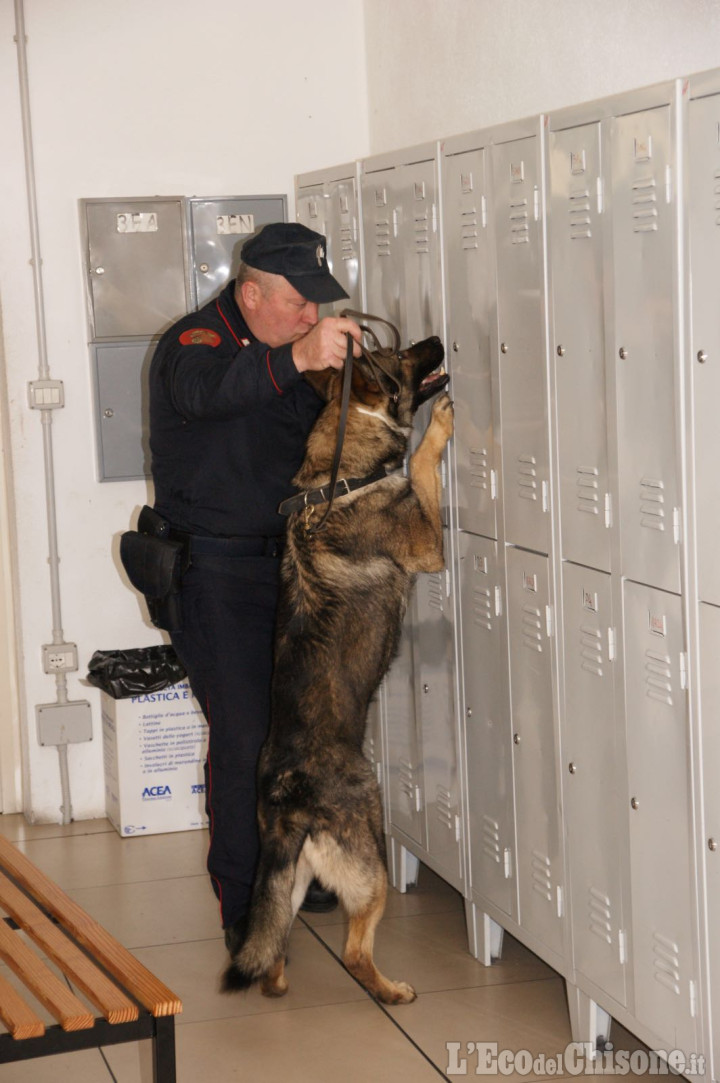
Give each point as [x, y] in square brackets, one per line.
[659, 816]
[704, 254]
[710, 708]
[135, 258]
[419, 229]
[328, 202]
[488, 730]
[383, 265]
[435, 670]
[594, 789]
[469, 270]
[521, 326]
[576, 252]
[405, 795]
[537, 790]
[122, 406]
[218, 228]
[644, 198]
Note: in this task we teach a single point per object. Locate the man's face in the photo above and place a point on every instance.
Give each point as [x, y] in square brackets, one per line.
[278, 314]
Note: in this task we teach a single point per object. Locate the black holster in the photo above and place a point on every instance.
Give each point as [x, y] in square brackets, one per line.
[155, 557]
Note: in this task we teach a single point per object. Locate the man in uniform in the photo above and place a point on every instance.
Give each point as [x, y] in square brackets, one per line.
[229, 417]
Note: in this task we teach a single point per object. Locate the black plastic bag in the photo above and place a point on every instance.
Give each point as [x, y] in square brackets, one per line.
[123, 674]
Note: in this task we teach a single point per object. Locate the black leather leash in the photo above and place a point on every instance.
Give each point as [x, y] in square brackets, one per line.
[310, 498]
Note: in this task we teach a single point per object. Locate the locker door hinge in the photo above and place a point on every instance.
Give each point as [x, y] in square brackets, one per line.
[622, 946]
[560, 901]
[683, 671]
[611, 644]
[507, 863]
[549, 621]
[608, 511]
[418, 799]
[493, 485]
[677, 528]
[693, 999]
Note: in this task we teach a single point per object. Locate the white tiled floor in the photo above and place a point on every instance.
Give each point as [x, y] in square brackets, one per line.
[153, 894]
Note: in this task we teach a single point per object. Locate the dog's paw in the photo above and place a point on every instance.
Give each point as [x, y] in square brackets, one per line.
[443, 414]
[398, 992]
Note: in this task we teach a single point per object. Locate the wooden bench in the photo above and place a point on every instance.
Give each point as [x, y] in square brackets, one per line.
[130, 1002]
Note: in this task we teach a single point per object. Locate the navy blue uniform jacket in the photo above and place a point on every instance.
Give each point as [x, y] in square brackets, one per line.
[229, 418]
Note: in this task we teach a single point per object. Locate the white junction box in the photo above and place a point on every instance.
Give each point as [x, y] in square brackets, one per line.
[154, 747]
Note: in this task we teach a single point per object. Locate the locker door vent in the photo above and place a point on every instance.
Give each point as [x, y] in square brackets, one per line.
[406, 778]
[444, 808]
[382, 236]
[588, 496]
[652, 501]
[482, 608]
[519, 222]
[436, 591]
[532, 628]
[644, 203]
[479, 468]
[422, 233]
[600, 915]
[370, 748]
[591, 651]
[527, 477]
[542, 875]
[658, 677]
[347, 243]
[717, 195]
[580, 215]
[468, 229]
[666, 963]
[491, 839]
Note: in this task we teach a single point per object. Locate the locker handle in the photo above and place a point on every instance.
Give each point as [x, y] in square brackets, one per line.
[712, 845]
[702, 356]
[561, 351]
[622, 353]
[504, 347]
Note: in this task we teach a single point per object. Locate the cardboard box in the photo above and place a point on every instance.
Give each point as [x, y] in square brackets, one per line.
[154, 747]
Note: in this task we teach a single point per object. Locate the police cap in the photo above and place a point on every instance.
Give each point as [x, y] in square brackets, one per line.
[299, 255]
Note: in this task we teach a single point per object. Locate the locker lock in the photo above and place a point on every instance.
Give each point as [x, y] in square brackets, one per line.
[109, 412]
[702, 356]
[712, 845]
[634, 803]
[426, 688]
[516, 738]
[572, 768]
[561, 351]
[504, 347]
[99, 270]
[455, 347]
[204, 267]
[622, 353]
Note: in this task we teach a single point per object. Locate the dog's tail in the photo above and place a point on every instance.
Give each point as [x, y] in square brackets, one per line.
[270, 919]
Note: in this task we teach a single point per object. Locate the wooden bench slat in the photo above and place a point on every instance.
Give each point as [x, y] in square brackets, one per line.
[52, 993]
[117, 960]
[92, 981]
[19, 1018]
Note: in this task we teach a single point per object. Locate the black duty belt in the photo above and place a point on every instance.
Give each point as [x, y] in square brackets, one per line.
[203, 546]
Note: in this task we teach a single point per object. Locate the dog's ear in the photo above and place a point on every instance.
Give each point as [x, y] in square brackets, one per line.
[324, 381]
[365, 386]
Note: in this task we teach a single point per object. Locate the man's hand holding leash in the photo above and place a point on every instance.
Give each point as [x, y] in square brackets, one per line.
[325, 346]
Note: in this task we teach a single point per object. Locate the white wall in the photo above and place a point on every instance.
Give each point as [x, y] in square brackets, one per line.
[440, 67]
[131, 97]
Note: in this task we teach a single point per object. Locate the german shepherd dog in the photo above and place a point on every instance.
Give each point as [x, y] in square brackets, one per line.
[343, 597]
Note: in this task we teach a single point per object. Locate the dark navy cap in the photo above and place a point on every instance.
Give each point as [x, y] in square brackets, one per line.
[299, 255]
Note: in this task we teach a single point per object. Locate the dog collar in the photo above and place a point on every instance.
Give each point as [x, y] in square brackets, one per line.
[321, 495]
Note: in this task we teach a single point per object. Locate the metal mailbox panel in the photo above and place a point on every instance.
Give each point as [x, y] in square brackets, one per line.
[121, 383]
[405, 774]
[470, 316]
[710, 707]
[704, 225]
[659, 815]
[537, 790]
[578, 343]
[218, 229]
[522, 352]
[594, 796]
[384, 284]
[488, 731]
[136, 266]
[435, 691]
[643, 193]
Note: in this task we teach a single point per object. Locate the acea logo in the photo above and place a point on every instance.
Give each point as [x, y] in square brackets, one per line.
[152, 793]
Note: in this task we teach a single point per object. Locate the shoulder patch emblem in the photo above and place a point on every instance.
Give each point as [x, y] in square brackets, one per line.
[200, 336]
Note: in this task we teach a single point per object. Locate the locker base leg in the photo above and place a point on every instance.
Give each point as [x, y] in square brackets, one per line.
[403, 867]
[589, 1022]
[485, 936]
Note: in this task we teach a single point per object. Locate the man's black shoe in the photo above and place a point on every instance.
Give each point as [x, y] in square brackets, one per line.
[318, 900]
[235, 935]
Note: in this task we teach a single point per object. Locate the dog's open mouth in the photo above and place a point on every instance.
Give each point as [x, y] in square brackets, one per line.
[433, 383]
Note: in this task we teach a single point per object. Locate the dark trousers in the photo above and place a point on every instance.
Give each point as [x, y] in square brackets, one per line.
[226, 645]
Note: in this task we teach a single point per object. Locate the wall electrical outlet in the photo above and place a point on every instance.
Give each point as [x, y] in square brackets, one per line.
[60, 657]
[64, 723]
